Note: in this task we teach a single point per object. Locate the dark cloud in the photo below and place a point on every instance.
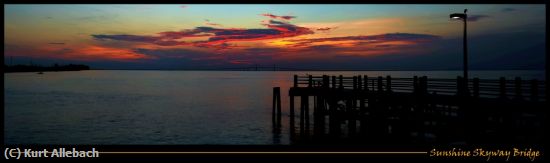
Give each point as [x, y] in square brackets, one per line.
[181, 34]
[170, 53]
[133, 38]
[278, 17]
[326, 29]
[160, 40]
[56, 43]
[474, 18]
[212, 24]
[240, 62]
[276, 29]
[276, 22]
[323, 47]
[508, 9]
[216, 36]
[262, 50]
[372, 39]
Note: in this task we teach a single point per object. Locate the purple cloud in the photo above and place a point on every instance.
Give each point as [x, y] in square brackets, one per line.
[475, 18]
[275, 29]
[372, 39]
[56, 43]
[278, 17]
[508, 9]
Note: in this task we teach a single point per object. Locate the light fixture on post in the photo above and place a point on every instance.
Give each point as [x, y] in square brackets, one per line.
[464, 18]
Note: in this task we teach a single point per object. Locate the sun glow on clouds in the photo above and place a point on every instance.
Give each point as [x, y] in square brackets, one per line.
[111, 53]
[91, 53]
[282, 38]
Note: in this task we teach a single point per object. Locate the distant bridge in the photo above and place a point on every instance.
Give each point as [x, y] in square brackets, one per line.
[267, 68]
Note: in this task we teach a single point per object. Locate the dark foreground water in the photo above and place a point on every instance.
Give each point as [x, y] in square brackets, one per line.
[161, 107]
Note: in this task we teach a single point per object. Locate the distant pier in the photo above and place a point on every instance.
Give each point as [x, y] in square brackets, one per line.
[386, 110]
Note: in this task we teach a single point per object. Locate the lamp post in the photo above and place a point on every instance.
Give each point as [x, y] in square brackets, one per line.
[464, 18]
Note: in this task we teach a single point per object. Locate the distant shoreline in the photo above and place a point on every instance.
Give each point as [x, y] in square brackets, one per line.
[37, 68]
[40, 71]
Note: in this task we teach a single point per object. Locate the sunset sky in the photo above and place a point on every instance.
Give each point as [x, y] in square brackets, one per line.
[298, 36]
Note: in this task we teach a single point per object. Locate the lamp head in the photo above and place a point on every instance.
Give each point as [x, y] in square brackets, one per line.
[458, 16]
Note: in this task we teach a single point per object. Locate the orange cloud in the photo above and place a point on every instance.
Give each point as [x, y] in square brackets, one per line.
[240, 62]
[91, 52]
[107, 53]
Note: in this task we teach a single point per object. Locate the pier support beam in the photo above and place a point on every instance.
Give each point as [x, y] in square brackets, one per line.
[302, 115]
[476, 88]
[502, 87]
[291, 125]
[534, 90]
[276, 112]
[306, 106]
[517, 85]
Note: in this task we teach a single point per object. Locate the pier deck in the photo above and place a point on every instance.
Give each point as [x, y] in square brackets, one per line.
[363, 109]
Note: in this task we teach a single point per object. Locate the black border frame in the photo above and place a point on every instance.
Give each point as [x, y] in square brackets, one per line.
[266, 157]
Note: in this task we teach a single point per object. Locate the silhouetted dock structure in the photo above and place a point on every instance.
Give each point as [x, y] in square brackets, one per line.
[386, 110]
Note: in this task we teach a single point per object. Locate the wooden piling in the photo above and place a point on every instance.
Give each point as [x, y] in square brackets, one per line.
[302, 115]
[388, 83]
[534, 90]
[380, 88]
[310, 81]
[421, 106]
[316, 115]
[363, 109]
[279, 112]
[334, 119]
[359, 83]
[326, 81]
[291, 123]
[341, 86]
[476, 87]
[366, 84]
[350, 114]
[295, 80]
[423, 85]
[502, 86]
[276, 111]
[460, 86]
[517, 85]
[319, 112]
[306, 106]
[333, 81]
[320, 124]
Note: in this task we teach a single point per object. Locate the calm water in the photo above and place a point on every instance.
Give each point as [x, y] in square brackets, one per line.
[160, 107]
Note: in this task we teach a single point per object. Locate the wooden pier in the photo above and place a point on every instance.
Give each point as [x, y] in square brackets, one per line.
[386, 110]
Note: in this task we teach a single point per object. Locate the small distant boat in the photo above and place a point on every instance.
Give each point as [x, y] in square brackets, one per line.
[40, 72]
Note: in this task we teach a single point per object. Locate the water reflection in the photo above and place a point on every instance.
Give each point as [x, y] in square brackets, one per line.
[158, 107]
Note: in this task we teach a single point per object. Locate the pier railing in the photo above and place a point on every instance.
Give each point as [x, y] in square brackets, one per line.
[419, 109]
[533, 90]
